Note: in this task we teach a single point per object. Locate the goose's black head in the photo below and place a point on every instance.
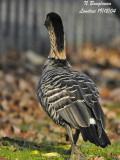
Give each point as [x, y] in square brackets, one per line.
[54, 20]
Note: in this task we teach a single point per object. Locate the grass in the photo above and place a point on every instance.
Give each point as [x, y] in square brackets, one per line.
[57, 150]
[32, 152]
[110, 107]
[108, 153]
[113, 108]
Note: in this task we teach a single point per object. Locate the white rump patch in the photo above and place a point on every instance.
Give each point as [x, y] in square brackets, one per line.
[92, 121]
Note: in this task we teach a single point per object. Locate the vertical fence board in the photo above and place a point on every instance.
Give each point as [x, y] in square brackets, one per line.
[38, 27]
[30, 23]
[0, 23]
[40, 24]
[21, 25]
[16, 30]
[3, 25]
[0, 10]
[25, 25]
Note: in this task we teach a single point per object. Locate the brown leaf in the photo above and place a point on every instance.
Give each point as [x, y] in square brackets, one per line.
[2, 158]
[16, 130]
[105, 92]
[28, 134]
[2, 133]
[114, 137]
[99, 158]
[0, 143]
[111, 115]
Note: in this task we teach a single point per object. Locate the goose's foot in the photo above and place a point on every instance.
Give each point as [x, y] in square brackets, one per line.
[76, 154]
[69, 151]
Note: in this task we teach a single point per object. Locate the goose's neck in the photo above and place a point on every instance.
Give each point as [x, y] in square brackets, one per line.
[58, 44]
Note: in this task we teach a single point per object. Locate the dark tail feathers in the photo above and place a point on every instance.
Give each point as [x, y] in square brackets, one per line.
[90, 133]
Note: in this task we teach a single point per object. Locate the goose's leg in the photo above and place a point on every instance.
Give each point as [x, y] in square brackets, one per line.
[75, 153]
[75, 136]
[70, 137]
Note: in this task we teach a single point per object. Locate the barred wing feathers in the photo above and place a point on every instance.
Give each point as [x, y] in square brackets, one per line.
[71, 96]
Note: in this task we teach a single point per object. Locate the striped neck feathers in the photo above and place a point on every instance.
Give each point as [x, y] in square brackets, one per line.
[58, 44]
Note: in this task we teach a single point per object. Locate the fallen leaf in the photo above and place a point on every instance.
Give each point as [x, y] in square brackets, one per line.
[5, 147]
[64, 146]
[99, 158]
[105, 92]
[30, 134]
[34, 152]
[52, 154]
[2, 158]
[114, 137]
[15, 129]
[111, 115]
[90, 158]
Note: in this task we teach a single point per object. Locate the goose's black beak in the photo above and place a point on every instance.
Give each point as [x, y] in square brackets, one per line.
[47, 22]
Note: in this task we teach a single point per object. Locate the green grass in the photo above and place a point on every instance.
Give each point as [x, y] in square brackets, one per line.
[110, 107]
[25, 126]
[108, 152]
[29, 153]
[113, 107]
[90, 150]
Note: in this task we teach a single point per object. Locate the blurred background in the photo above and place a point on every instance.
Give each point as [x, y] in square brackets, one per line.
[22, 24]
[93, 47]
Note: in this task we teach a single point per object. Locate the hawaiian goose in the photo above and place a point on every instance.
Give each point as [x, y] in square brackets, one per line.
[70, 97]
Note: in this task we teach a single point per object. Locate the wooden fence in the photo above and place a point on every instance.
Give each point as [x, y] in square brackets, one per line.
[21, 24]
